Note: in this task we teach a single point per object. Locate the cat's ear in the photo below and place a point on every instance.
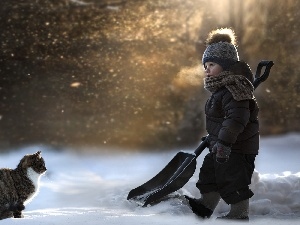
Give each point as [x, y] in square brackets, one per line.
[24, 162]
[38, 154]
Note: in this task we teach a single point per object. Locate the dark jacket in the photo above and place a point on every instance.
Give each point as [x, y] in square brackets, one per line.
[232, 122]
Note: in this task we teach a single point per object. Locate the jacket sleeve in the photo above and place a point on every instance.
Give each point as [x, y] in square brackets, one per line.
[237, 114]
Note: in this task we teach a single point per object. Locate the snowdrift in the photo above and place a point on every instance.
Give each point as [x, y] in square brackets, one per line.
[91, 188]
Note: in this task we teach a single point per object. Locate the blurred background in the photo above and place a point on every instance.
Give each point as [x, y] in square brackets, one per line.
[128, 73]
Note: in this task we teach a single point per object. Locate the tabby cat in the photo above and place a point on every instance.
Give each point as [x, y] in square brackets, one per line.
[18, 186]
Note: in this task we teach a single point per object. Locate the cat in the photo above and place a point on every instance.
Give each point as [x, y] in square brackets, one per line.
[18, 186]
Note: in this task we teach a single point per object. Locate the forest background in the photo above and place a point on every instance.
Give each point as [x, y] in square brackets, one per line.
[128, 73]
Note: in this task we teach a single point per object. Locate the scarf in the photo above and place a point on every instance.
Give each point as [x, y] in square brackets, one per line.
[238, 85]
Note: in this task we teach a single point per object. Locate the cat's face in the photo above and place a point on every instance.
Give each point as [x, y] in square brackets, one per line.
[34, 161]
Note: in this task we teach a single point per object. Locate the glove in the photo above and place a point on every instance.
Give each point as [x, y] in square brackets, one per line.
[222, 152]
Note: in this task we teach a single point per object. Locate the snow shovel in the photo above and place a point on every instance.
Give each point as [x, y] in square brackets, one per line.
[182, 167]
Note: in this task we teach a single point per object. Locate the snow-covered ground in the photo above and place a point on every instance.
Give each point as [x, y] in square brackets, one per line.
[91, 188]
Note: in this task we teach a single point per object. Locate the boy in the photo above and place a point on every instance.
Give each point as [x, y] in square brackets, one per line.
[232, 125]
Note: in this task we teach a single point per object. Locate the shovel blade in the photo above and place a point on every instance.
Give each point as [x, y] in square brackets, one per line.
[173, 177]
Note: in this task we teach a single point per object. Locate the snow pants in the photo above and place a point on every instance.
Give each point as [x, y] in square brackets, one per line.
[231, 179]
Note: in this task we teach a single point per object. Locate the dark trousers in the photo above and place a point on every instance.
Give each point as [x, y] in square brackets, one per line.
[230, 179]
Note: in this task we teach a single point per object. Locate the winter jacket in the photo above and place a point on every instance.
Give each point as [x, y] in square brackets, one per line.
[232, 122]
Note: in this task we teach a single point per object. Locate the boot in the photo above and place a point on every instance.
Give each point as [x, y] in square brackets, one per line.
[205, 206]
[238, 211]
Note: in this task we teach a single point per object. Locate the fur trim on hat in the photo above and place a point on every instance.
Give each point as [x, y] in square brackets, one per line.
[221, 35]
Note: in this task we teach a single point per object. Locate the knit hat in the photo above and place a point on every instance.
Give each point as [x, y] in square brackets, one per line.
[221, 48]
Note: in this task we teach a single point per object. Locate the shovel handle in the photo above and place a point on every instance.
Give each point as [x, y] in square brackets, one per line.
[261, 78]
[202, 146]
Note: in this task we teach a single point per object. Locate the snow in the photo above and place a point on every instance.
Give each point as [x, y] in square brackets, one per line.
[91, 188]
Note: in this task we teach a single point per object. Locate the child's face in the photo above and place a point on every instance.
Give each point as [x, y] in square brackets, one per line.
[212, 69]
